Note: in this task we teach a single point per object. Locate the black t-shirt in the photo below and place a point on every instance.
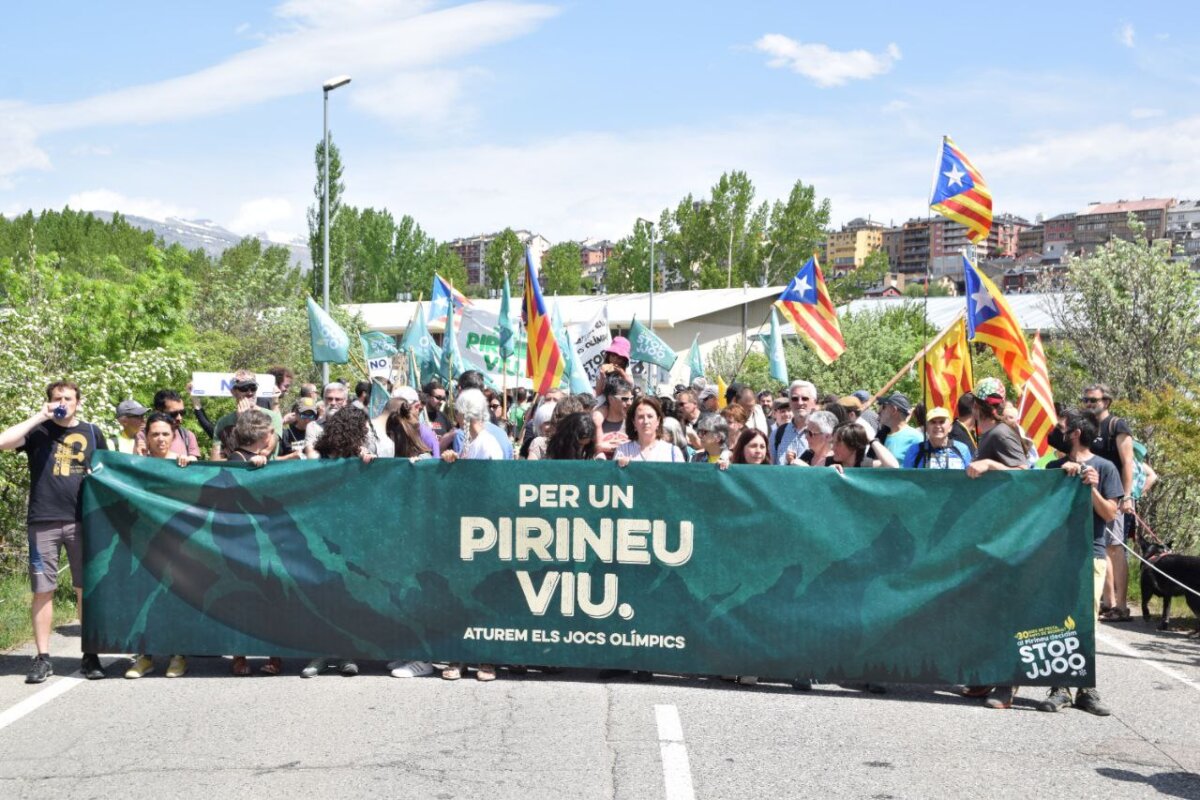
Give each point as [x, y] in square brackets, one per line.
[439, 423]
[291, 435]
[1110, 488]
[959, 433]
[1002, 444]
[59, 458]
[807, 458]
[1105, 444]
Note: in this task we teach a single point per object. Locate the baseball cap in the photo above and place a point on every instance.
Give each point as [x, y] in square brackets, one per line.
[991, 391]
[900, 401]
[708, 391]
[863, 396]
[406, 393]
[937, 413]
[130, 408]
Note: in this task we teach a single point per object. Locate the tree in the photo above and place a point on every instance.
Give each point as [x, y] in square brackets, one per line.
[562, 269]
[338, 233]
[628, 268]
[794, 229]
[1131, 314]
[855, 283]
[504, 256]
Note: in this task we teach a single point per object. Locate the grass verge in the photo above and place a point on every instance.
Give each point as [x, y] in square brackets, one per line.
[15, 627]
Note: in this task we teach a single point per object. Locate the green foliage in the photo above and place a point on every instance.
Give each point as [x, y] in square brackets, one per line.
[1131, 314]
[855, 283]
[1167, 420]
[628, 268]
[340, 228]
[917, 290]
[878, 344]
[796, 225]
[505, 256]
[562, 269]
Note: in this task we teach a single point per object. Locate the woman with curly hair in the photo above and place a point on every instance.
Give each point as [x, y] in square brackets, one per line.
[345, 436]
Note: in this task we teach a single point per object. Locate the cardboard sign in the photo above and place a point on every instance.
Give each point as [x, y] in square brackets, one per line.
[217, 384]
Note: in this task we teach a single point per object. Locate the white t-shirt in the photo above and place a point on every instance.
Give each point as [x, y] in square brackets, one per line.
[483, 447]
[659, 451]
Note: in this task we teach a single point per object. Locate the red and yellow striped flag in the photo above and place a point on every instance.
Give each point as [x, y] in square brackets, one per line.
[1037, 401]
[991, 321]
[960, 193]
[946, 370]
[543, 360]
[806, 303]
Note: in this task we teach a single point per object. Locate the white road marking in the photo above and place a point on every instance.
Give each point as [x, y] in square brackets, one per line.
[39, 699]
[1129, 651]
[677, 772]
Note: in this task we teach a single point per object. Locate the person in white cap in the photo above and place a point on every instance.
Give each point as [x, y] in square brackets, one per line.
[130, 416]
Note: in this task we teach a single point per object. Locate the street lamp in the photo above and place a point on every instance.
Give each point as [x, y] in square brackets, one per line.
[653, 369]
[327, 87]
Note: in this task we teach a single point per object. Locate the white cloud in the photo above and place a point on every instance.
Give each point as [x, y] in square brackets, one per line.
[370, 41]
[108, 200]
[418, 100]
[259, 215]
[19, 150]
[826, 67]
[1146, 113]
[1125, 34]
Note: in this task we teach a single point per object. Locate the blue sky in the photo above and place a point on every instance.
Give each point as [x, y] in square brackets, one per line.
[573, 118]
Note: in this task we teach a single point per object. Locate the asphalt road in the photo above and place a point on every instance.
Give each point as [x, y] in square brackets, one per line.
[574, 736]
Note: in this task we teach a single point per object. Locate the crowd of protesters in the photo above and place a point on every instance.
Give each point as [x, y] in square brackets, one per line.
[619, 423]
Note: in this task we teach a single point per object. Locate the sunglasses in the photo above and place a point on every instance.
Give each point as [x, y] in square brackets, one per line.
[310, 415]
[799, 399]
[625, 398]
[178, 414]
[244, 387]
[1091, 400]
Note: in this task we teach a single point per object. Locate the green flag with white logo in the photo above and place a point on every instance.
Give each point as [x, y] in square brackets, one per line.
[645, 345]
[330, 344]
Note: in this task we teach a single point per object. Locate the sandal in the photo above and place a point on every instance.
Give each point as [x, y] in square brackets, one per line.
[274, 666]
[1117, 615]
[240, 667]
[452, 672]
[485, 672]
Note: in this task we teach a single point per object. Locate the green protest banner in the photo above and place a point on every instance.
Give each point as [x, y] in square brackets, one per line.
[883, 575]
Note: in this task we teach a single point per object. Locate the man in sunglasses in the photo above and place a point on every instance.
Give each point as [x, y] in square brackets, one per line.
[802, 397]
[183, 442]
[1114, 442]
[244, 390]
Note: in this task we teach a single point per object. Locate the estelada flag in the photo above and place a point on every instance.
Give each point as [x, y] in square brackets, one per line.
[543, 359]
[946, 367]
[806, 303]
[1037, 401]
[991, 320]
[960, 194]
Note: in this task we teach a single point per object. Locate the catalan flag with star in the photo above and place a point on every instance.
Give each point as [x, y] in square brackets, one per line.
[946, 366]
[960, 194]
[1037, 401]
[806, 303]
[543, 360]
[991, 321]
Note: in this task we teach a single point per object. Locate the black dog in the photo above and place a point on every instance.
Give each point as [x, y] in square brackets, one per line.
[1185, 569]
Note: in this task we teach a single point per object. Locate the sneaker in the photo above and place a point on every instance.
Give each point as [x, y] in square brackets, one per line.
[313, 669]
[1002, 697]
[348, 668]
[91, 667]
[1058, 698]
[802, 684]
[142, 665]
[40, 669]
[1089, 700]
[410, 669]
[178, 667]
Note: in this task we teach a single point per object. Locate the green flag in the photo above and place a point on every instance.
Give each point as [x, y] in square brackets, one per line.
[646, 346]
[574, 375]
[452, 363]
[424, 356]
[330, 344]
[377, 345]
[379, 399]
[506, 329]
[778, 366]
[695, 363]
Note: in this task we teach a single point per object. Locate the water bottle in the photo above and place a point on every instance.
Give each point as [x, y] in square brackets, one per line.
[60, 411]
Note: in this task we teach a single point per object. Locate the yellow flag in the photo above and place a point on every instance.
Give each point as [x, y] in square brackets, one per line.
[946, 367]
[721, 389]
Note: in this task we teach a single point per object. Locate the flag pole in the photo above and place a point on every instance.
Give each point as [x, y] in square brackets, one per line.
[746, 350]
[912, 362]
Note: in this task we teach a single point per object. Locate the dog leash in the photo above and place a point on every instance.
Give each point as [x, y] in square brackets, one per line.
[1150, 564]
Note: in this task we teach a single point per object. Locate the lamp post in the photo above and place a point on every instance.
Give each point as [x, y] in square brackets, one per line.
[653, 368]
[327, 87]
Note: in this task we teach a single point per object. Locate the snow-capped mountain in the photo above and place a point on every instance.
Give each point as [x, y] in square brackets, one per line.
[206, 235]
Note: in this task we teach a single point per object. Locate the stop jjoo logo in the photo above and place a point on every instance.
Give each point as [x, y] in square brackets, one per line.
[1057, 656]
